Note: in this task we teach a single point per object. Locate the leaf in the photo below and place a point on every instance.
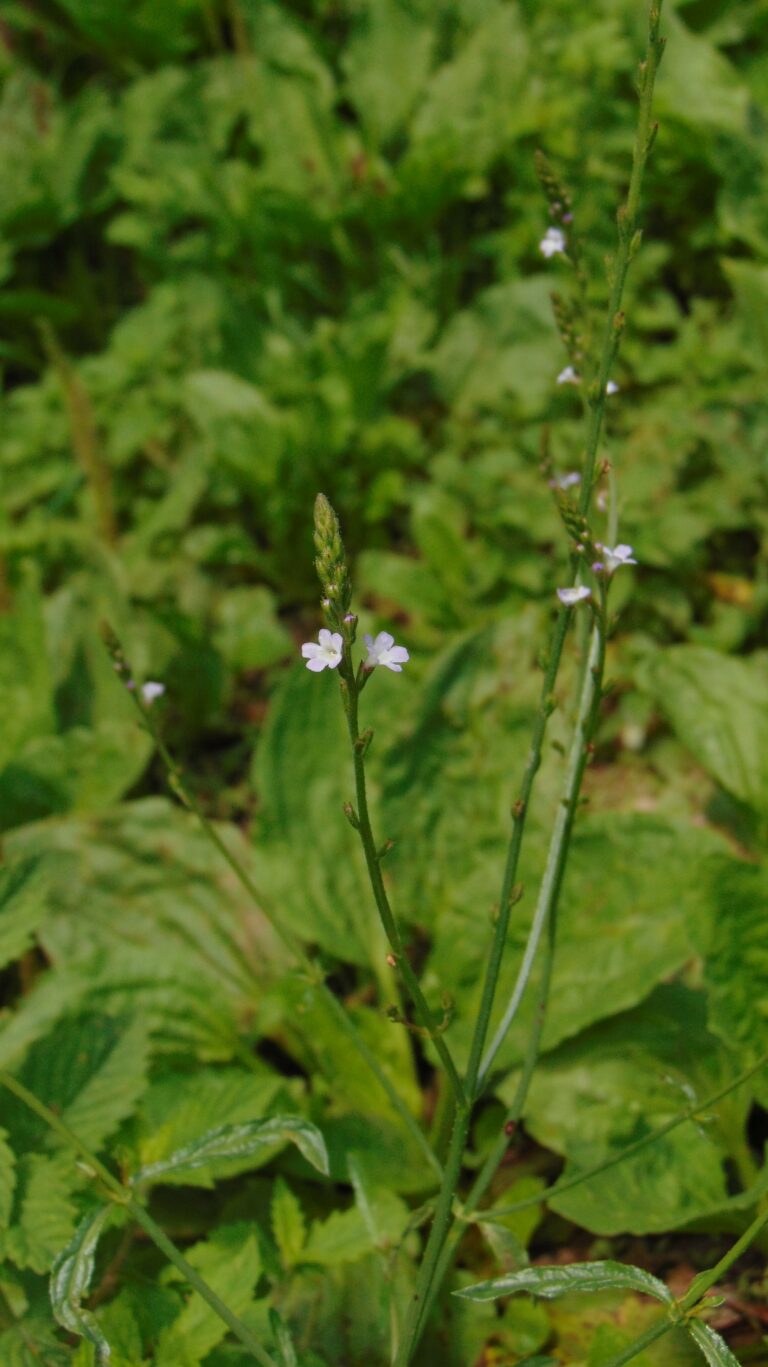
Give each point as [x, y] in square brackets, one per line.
[736, 967]
[288, 1224]
[230, 1263]
[92, 1070]
[44, 1214]
[7, 1178]
[390, 38]
[614, 1085]
[714, 1348]
[716, 705]
[549, 1282]
[23, 904]
[346, 1235]
[71, 1279]
[240, 1141]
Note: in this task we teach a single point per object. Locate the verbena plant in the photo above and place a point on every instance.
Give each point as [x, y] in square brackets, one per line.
[120, 1202]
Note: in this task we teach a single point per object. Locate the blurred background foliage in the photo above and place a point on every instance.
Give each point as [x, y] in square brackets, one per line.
[249, 251]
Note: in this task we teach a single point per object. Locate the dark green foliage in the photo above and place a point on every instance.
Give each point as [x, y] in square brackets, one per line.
[249, 252]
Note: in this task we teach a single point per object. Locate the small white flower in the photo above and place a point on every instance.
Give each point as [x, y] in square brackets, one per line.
[383, 651]
[619, 555]
[326, 655]
[568, 376]
[566, 481]
[575, 595]
[552, 242]
[611, 387]
[150, 691]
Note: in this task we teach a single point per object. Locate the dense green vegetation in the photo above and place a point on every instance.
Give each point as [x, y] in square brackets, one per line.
[250, 251]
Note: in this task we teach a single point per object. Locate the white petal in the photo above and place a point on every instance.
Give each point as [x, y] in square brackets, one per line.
[316, 664]
[368, 641]
[399, 654]
[384, 641]
[324, 637]
[310, 650]
[151, 690]
[390, 664]
[336, 642]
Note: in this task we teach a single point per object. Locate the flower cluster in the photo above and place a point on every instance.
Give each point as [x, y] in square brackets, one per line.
[328, 650]
[553, 242]
[613, 558]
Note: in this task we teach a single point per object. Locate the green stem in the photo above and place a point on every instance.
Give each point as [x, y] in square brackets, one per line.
[439, 1253]
[331, 1002]
[626, 220]
[559, 845]
[350, 696]
[123, 1197]
[706, 1280]
[645, 1340]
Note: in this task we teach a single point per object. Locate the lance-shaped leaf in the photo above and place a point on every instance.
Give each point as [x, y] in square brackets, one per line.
[71, 1277]
[550, 1282]
[715, 1349]
[240, 1141]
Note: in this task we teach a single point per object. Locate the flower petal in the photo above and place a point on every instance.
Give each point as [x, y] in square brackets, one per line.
[317, 664]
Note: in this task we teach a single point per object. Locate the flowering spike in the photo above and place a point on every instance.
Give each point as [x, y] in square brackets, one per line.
[331, 563]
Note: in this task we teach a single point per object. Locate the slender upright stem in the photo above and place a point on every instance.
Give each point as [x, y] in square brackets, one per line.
[656, 1331]
[294, 946]
[438, 1253]
[124, 1197]
[350, 695]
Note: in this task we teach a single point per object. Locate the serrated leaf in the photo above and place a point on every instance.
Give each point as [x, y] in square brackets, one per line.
[587, 1104]
[7, 1178]
[288, 1225]
[230, 1263]
[91, 1069]
[714, 1348]
[44, 1215]
[238, 1141]
[549, 1282]
[71, 1278]
[23, 904]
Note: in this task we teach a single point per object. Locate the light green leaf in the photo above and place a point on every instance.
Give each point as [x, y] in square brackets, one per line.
[736, 967]
[44, 1214]
[288, 1225]
[230, 1263]
[549, 1282]
[347, 1235]
[240, 1141]
[92, 1070]
[587, 1103]
[716, 705]
[23, 904]
[715, 1349]
[71, 1279]
[389, 38]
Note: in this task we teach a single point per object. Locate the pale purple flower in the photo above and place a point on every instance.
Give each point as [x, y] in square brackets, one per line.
[383, 651]
[566, 481]
[570, 597]
[552, 242]
[611, 387]
[568, 376]
[150, 691]
[325, 655]
[614, 558]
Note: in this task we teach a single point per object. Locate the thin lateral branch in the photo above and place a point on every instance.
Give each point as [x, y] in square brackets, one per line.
[306, 964]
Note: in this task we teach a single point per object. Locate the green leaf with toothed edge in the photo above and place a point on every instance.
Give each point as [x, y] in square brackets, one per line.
[71, 1278]
[715, 1349]
[549, 1282]
[238, 1141]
